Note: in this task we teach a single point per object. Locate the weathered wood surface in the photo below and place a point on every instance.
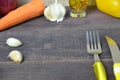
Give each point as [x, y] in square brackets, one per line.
[57, 51]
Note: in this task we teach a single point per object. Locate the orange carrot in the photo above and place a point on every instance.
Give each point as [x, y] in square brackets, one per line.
[25, 12]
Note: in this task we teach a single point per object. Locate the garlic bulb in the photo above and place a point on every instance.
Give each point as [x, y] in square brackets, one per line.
[13, 42]
[55, 12]
[16, 56]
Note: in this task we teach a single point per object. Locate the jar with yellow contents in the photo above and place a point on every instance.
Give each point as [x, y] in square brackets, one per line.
[78, 8]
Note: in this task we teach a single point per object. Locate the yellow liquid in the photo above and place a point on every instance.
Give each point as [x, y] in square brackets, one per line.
[78, 7]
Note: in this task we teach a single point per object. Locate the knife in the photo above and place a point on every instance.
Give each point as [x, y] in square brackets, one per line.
[115, 55]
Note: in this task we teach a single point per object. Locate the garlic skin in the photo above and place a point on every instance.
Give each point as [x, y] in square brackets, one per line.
[16, 56]
[55, 12]
[13, 42]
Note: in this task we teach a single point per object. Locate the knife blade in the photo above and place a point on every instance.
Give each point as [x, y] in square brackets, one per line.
[115, 52]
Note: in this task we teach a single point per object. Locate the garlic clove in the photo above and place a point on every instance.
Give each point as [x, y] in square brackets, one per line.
[13, 42]
[16, 56]
[47, 13]
[55, 12]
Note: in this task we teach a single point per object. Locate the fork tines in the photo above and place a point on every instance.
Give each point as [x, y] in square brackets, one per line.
[93, 41]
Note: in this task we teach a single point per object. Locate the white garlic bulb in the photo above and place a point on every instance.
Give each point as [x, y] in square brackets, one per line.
[16, 56]
[13, 42]
[55, 12]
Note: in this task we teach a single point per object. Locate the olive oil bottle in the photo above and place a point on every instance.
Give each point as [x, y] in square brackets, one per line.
[78, 8]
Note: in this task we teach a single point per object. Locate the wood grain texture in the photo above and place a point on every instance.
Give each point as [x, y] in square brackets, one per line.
[57, 51]
[52, 70]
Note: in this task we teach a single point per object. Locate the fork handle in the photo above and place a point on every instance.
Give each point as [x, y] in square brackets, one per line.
[99, 70]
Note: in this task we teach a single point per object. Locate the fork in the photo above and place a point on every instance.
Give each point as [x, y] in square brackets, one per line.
[94, 47]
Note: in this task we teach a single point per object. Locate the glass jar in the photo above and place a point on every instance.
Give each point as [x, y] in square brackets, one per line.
[91, 2]
[78, 8]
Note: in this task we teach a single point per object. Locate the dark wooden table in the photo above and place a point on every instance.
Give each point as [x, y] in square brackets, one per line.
[57, 51]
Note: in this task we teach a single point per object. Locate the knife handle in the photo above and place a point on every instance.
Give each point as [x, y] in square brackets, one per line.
[116, 69]
[99, 70]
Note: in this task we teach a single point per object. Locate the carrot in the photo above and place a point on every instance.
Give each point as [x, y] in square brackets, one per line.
[23, 13]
